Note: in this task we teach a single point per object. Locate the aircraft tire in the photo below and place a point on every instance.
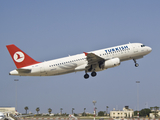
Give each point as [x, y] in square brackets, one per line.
[136, 65]
[93, 74]
[86, 76]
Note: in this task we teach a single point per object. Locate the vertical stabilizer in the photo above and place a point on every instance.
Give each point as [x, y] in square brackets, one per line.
[20, 58]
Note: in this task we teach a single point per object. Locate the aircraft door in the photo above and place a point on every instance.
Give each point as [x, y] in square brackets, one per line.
[42, 68]
[135, 48]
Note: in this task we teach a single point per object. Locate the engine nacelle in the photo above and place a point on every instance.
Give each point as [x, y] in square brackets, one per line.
[111, 63]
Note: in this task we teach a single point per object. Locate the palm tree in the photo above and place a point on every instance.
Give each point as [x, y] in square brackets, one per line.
[84, 111]
[72, 110]
[155, 110]
[61, 110]
[49, 110]
[37, 109]
[26, 108]
[107, 109]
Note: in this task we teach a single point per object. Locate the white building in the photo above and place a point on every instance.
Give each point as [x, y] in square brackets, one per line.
[9, 110]
[125, 113]
[152, 115]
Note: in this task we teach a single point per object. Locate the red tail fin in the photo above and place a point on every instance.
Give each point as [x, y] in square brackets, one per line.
[20, 58]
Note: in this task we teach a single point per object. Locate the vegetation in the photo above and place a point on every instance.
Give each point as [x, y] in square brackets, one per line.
[84, 114]
[26, 108]
[49, 110]
[64, 114]
[72, 110]
[61, 110]
[101, 113]
[155, 111]
[37, 109]
[143, 113]
[107, 110]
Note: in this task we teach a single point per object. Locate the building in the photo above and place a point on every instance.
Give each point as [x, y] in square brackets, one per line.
[125, 113]
[154, 112]
[9, 110]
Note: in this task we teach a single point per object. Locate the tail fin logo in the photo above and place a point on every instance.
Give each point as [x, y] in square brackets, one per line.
[18, 56]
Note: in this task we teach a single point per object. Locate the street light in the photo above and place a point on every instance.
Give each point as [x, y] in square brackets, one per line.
[16, 80]
[138, 98]
[94, 102]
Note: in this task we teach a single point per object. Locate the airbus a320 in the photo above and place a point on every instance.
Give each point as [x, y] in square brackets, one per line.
[93, 61]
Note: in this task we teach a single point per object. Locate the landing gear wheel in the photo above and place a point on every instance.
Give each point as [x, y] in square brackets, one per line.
[86, 76]
[136, 65]
[93, 74]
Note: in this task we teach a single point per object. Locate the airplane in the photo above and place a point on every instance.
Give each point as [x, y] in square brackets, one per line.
[72, 116]
[93, 61]
[5, 116]
[8, 117]
[2, 116]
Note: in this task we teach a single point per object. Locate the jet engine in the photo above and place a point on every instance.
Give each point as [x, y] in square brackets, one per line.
[110, 63]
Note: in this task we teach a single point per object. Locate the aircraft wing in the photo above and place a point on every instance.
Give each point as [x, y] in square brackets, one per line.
[93, 59]
[27, 115]
[72, 116]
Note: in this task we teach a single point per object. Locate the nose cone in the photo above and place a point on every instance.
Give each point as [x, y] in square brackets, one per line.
[149, 49]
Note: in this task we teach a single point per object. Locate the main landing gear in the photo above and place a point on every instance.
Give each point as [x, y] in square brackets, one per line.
[92, 70]
[136, 64]
[86, 76]
[93, 74]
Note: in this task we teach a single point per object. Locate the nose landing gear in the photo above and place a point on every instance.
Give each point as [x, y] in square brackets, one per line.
[136, 64]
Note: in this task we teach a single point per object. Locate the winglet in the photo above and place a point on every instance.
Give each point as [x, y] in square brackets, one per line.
[85, 53]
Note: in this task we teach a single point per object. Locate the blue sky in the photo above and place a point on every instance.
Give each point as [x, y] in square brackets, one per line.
[48, 30]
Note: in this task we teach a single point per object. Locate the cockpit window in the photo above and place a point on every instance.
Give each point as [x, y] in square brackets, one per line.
[142, 45]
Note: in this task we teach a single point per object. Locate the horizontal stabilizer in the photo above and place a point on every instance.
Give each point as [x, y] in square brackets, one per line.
[24, 70]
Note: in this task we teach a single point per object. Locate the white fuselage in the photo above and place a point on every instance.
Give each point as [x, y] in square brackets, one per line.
[78, 62]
